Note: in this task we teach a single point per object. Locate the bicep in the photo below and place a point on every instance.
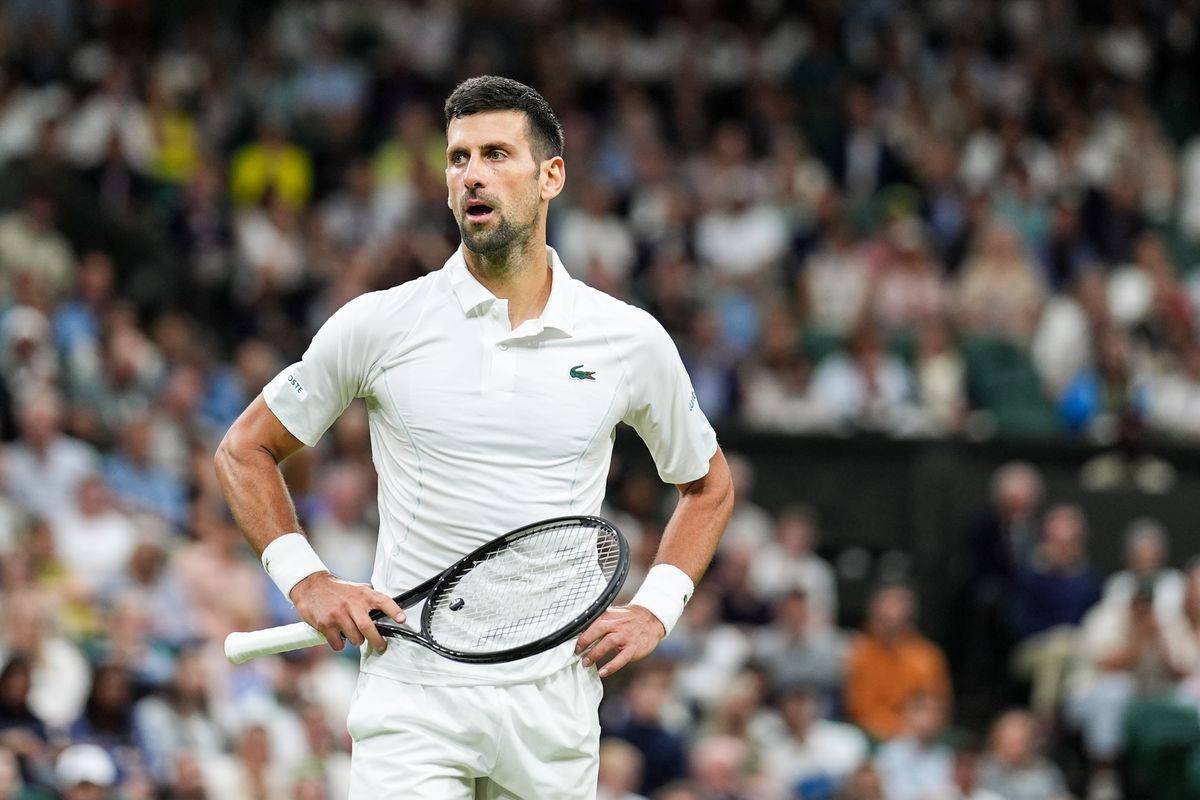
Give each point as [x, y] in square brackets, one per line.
[717, 479]
[259, 429]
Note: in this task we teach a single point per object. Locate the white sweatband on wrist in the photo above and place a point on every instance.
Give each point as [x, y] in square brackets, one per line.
[664, 593]
[290, 559]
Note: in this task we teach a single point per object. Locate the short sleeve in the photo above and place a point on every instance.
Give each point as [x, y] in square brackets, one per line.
[309, 395]
[663, 407]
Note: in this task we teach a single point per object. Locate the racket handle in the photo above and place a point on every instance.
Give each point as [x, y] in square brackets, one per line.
[243, 646]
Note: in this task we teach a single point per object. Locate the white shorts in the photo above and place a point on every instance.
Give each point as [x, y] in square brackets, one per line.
[527, 741]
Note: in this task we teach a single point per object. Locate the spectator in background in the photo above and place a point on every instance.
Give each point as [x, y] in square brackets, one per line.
[908, 290]
[621, 766]
[865, 387]
[739, 712]
[808, 755]
[890, 663]
[250, 771]
[85, 772]
[641, 724]
[94, 539]
[178, 718]
[1014, 768]
[1174, 397]
[774, 381]
[1106, 402]
[863, 161]
[139, 484]
[800, 648]
[1067, 254]
[272, 253]
[30, 242]
[998, 293]
[1146, 552]
[27, 357]
[966, 776]
[414, 137]
[1125, 652]
[337, 528]
[12, 785]
[357, 215]
[708, 653]
[941, 377]
[23, 734]
[59, 676]
[718, 767]
[1050, 597]
[271, 166]
[78, 320]
[741, 601]
[121, 385]
[916, 765]
[835, 282]
[44, 465]
[1188, 634]
[596, 241]
[1002, 541]
[107, 719]
[225, 588]
[790, 562]
[1065, 341]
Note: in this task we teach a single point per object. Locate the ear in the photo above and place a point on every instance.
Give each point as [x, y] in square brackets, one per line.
[553, 177]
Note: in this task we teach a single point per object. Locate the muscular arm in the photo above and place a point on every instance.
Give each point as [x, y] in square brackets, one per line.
[695, 527]
[247, 466]
[689, 542]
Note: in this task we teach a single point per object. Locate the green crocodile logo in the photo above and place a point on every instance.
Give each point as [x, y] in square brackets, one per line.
[580, 374]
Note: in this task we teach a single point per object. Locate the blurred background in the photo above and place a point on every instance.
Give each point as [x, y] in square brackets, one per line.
[932, 267]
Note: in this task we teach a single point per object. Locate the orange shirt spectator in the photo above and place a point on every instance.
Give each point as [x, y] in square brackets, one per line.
[890, 664]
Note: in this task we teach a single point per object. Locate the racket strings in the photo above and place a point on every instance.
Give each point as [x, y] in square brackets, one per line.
[534, 586]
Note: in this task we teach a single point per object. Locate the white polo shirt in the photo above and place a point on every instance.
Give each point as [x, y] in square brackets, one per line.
[477, 429]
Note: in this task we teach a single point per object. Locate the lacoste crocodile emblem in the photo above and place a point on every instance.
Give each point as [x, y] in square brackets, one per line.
[580, 374]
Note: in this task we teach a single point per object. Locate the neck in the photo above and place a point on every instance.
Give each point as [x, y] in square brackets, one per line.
[520, 275]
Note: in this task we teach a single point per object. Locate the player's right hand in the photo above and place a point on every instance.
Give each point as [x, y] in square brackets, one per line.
[341, 610]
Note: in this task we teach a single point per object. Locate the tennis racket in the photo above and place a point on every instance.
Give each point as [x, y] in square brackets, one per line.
[520, 594]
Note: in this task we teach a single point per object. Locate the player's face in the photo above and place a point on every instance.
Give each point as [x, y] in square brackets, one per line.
[495, 183]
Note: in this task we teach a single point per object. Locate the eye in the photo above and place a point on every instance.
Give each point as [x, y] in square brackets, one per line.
[458, 158]
[496, 155]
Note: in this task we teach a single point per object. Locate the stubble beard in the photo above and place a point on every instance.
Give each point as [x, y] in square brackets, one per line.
[500, 248]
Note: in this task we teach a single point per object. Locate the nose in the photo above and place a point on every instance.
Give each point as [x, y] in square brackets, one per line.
[473, 174]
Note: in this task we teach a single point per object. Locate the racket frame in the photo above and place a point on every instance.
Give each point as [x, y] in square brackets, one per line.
[433, 587]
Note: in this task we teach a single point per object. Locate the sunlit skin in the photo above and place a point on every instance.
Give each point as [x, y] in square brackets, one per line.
[499, 191]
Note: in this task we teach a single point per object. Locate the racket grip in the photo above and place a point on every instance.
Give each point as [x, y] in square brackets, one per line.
[243, 646]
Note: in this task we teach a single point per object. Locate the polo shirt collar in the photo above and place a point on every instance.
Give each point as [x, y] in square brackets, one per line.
[471, 294]
[559, 312]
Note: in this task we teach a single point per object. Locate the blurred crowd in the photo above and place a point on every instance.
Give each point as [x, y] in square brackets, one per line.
[1058, 681]
[912, 219]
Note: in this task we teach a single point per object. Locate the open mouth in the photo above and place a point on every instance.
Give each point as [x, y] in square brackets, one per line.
[478, 211]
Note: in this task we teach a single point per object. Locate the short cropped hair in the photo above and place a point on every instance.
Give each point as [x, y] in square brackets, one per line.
[494, 93]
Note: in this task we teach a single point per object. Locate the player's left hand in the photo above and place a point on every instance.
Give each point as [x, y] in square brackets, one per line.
[627, 633]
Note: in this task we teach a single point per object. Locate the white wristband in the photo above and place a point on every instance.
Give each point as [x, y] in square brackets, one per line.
[290, 559]
[664, 593]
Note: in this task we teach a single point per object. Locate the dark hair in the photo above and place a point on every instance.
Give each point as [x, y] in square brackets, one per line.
[493, 93]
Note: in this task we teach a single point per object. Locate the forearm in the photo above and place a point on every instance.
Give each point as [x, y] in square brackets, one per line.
[256, 493]
[695, 528]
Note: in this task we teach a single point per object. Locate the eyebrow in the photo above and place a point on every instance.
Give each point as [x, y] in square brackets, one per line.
[499, 145]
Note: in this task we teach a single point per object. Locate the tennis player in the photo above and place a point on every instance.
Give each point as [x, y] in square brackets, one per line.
[493, 386]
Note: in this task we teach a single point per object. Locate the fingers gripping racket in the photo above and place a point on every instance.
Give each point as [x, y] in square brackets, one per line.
[520, 594]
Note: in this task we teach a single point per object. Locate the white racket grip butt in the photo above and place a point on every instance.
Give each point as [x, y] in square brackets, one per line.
[242, 646]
